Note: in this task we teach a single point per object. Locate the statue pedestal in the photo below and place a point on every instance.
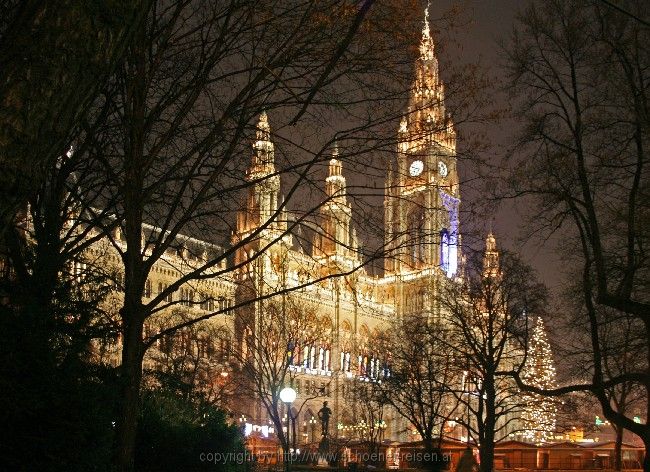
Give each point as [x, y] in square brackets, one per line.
[323, 452]
[467, 462]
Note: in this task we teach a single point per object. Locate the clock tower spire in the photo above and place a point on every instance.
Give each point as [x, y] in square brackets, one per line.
[422, 193]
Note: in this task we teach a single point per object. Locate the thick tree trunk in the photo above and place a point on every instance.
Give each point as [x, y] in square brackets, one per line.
[434, 460]
[486, 452]
[131, 376]
[617, 448]
[486, 448]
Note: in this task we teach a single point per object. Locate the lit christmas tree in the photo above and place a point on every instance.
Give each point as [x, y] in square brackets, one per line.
[540, 412]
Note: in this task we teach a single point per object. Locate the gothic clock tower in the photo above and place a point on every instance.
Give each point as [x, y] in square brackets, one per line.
[422, 196]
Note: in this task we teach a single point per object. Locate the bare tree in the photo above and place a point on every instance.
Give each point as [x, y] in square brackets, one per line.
[369, 406]
[268, 344]
[579, 69]
[194, 361]
[622, 337]
[486, 319]
[421, 374]
[177, 143]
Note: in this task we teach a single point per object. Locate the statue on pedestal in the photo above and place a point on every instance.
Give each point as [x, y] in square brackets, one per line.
[324, 417]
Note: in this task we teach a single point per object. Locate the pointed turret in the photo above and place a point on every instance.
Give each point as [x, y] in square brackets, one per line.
[263, 162]
[262, 203]
[491, 257]
[427, 52]
[335, 182]
[336, 213]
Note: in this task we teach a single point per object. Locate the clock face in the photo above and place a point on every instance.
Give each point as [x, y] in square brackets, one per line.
[442, 169]
[416, 168]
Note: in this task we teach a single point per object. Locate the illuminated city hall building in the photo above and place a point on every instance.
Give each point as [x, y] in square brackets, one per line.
[421, 235]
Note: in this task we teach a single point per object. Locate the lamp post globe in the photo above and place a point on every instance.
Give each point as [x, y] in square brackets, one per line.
[287, 395]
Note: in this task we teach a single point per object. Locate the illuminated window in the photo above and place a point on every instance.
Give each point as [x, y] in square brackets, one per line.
[450, 265]
[444, 250]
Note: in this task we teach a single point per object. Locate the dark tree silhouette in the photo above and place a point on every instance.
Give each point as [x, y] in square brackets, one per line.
[423, 373]
[579, 72]
[56, 57]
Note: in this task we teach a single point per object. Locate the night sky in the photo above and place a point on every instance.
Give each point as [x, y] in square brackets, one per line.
[478, 42]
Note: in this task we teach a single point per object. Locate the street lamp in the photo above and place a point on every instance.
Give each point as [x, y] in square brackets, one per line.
[287, 395]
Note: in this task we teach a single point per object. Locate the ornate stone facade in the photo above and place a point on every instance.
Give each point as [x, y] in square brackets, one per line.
[422, 239]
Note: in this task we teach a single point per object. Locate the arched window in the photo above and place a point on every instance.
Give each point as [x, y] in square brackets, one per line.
[321, 359]
[451, 259]
[385, 370]
[326, 360]
[452, 266]
[364, 332]
[297, 356]
[224, 348]
[416, 233]
[364, 367]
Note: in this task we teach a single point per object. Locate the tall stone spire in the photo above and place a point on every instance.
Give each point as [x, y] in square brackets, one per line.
[428, 120]
[262, 202]
[426, 44]
[422, 196]
[426, 75]
[491, 257]
[336, 213]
